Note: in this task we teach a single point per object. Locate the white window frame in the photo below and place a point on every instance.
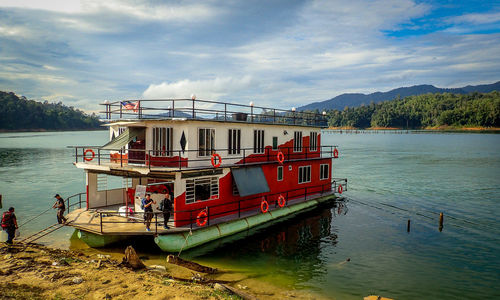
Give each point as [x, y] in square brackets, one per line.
[234, 141]
[278, 173]
[259, 146]
[162, 138]
[321, 171]
[191, 188]
[206, 151]
[297, 141]
[313, 141]
[306, 176]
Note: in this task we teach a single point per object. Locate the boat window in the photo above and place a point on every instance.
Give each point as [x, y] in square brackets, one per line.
[162, 141]
[275, 143]
[234, 141]
[258, 141]
[206, 141]
[297, 141]
[313, 141]
[304, 174]
[201, 189]
[280, 173]
[324, 171]
[109, 182]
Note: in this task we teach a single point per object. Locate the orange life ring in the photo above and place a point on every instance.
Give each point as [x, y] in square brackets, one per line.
[335, 153]
[281, 157]
[202, 216]
[281, 201]
[262, 205]
[214, 156]
[85, 155]
[340, 189]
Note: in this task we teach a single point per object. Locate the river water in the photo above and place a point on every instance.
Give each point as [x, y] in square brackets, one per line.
[393, 178]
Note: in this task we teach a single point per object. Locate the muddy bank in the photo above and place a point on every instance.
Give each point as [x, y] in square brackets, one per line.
[40, 272]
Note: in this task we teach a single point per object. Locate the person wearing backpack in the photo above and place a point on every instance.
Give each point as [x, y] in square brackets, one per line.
[9, 224]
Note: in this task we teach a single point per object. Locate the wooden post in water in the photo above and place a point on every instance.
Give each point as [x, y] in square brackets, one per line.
[408, 226]
[440, 222]
[1, 201]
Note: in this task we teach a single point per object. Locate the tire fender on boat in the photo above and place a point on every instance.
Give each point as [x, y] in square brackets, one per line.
[264, 206]
[92, 155]
[202, 218]
[281, 201]
[219, 160]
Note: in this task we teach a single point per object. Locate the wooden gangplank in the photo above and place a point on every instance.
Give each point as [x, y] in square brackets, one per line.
[38, 235]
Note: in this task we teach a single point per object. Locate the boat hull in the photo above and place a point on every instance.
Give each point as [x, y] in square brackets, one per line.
[187, 240]
[99, 240]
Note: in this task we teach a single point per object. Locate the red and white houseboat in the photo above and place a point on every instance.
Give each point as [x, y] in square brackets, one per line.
[230, 167]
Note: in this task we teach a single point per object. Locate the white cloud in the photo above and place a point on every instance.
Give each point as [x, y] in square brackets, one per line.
[210, 89]
[475, 19]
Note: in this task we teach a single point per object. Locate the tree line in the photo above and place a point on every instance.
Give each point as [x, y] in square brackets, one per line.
[19, 113]
[428, 110]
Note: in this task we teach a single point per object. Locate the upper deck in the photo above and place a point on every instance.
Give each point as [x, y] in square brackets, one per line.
[193, 109]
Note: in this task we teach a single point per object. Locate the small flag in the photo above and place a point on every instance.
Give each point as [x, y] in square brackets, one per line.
[130, 105]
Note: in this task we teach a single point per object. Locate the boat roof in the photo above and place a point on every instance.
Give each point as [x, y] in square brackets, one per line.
[126, 112]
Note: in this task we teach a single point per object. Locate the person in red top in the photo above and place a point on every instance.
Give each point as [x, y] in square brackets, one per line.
[9, 224]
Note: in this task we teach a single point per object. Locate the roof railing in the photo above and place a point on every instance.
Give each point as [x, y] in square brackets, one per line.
[208, 110]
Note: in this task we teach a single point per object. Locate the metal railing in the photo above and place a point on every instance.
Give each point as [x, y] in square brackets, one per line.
[190, 159]
[208, 110]
[78, 203]
[246, 205]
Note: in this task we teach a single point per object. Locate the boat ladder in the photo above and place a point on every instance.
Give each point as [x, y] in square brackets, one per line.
[42, 233]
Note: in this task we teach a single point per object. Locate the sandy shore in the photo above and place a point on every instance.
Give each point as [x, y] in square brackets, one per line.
[40, 272]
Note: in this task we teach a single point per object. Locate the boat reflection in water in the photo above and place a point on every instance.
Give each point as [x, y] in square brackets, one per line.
[292, 247]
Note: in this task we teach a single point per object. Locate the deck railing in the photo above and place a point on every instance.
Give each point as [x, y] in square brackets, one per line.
[208, 110]
[246, 205]
[190, 159]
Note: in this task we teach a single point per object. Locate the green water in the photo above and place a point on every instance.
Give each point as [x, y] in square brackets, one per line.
[392, 178]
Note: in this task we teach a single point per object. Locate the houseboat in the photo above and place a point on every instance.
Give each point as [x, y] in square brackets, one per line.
[228, 168]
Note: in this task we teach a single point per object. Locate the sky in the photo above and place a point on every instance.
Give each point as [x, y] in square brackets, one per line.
[279, 54]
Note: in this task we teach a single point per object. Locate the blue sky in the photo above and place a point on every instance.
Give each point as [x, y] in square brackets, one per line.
[274, 53]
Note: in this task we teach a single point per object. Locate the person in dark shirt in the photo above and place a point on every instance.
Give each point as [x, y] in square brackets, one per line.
[166, 208]
[148, 211]
[61, 207]
[9, 224]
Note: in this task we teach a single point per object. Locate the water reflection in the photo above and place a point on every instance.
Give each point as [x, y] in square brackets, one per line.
[291, 248]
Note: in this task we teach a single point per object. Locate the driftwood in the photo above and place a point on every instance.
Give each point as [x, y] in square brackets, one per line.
[190, 265]
[232, 290]
[132, 259]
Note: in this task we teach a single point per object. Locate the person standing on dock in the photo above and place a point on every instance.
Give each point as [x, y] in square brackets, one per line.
[9, 224]
[148, 211]
[61, 207]
[166, 208]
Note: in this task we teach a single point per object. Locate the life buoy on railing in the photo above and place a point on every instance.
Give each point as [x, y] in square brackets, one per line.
[340, 189]
[219, 160]
[281, 157]
[91, 153]
[335, 153]
[281, 201]
[202, 218]
[264, 206]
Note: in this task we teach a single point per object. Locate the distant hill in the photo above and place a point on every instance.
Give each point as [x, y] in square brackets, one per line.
[354, 100]
[19, 113]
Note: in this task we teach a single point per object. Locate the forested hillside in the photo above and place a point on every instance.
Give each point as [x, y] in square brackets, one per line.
[23, 114]
[429, 110]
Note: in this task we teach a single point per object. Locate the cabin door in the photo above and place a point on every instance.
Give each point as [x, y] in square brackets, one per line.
[137, 149]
